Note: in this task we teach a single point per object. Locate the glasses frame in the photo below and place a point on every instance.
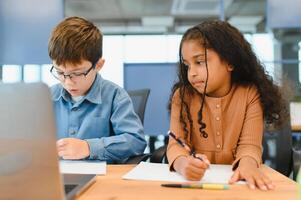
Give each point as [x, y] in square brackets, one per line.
[71, 75]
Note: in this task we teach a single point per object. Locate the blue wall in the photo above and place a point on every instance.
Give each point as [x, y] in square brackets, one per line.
[284, 13]
[160, 79]
[25, 26]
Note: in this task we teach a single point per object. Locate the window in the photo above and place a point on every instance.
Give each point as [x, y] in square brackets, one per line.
[11, 73]
[46, 76]
[32, 73]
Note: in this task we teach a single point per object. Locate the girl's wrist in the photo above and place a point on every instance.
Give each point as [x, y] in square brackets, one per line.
[247, 160]
[179, 163]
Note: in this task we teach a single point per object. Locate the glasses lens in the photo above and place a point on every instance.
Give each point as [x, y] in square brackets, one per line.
[57, 75]
[76, 76]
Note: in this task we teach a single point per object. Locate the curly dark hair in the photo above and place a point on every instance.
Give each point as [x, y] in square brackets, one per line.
[231, 46]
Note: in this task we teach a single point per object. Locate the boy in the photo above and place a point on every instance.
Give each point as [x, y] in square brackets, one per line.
[95, 118]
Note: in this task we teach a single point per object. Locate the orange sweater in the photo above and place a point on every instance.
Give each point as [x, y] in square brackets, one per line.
[234, 127]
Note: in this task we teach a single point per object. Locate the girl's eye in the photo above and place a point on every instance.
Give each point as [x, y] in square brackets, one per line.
[200, 62]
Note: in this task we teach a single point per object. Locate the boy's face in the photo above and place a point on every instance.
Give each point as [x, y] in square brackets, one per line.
[77, 79]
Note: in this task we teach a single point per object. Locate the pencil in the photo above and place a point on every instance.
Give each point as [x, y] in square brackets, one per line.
[206, 186]
[180, 142]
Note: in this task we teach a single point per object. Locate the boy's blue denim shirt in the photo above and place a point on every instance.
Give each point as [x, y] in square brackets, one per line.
[105, 118]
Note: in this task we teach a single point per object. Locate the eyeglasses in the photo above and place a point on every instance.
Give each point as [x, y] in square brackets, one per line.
[74, 76]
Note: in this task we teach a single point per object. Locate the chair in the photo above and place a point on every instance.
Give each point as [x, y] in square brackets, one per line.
[296, 162]
[159, 155]
[139, 99]
[278, 149]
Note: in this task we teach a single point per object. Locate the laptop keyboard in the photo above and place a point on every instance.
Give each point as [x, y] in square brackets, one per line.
[69, 188]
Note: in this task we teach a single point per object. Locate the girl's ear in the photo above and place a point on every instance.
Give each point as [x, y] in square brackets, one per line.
[230, 68]
[99, 64]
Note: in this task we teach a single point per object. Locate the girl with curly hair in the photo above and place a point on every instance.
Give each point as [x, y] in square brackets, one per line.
[219, 105]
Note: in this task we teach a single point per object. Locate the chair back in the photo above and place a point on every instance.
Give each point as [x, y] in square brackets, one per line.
[139, 99]
[159, 155]
[277, 150]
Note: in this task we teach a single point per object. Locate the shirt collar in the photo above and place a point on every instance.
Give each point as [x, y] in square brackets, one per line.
[93, 95]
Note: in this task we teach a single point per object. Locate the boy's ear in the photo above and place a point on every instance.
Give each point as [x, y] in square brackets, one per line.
[99, 64]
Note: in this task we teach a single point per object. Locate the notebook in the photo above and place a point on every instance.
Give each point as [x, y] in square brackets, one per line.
[29, 166]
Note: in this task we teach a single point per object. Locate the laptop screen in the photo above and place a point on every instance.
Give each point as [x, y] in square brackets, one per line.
[28, 157]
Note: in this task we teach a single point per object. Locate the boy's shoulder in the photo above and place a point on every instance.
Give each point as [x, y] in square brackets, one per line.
[109, 88]
[111, 91]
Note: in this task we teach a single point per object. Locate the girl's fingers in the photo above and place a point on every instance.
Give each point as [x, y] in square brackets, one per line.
[251, 182]
[260, 183]
[264, 183]
[203, 157]
[234, 177]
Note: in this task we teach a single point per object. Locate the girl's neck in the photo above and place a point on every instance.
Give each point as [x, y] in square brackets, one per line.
[221, 92]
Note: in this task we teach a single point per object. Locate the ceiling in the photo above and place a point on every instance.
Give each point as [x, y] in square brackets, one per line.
[167, 16]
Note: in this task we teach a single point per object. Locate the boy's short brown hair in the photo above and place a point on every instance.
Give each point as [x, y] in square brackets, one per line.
[73, 40]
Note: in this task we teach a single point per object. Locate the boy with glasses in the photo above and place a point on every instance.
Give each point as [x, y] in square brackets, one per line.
[95, 117]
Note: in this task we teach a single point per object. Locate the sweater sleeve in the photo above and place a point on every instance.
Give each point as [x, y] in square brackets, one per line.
[250, 140]
[174, 150]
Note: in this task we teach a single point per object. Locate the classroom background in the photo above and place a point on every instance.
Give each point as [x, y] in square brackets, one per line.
[141, 41]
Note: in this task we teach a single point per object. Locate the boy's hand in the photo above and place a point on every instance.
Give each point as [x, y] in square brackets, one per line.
[248, 170]
[72, 148]
[190, 167]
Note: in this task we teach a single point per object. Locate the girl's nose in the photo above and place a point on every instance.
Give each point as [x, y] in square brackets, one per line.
[192, 71]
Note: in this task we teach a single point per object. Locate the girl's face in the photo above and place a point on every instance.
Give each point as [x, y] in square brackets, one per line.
[219, 81]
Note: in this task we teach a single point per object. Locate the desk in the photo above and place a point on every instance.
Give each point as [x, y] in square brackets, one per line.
[112, 187]
[296, 128]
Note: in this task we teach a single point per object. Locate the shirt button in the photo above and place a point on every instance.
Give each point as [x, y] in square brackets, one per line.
[72, 132]
[218, 133]
[218, 146]
[218, 106]
[217, 118]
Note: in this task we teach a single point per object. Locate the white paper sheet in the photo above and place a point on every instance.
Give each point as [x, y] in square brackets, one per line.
[83, 167]
[160, 172]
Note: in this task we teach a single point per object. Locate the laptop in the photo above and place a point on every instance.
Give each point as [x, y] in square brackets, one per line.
[29, 167]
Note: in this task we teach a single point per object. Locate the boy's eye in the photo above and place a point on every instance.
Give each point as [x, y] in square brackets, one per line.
[77, 73]
[59, 73]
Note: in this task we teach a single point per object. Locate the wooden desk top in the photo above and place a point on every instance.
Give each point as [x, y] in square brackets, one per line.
[296, 128]
[113, 187]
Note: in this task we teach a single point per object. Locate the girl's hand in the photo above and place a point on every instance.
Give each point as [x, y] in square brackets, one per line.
[190, 167]
[248, 170]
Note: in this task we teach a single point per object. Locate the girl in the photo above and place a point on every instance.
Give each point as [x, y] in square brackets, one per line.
[219, 105]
